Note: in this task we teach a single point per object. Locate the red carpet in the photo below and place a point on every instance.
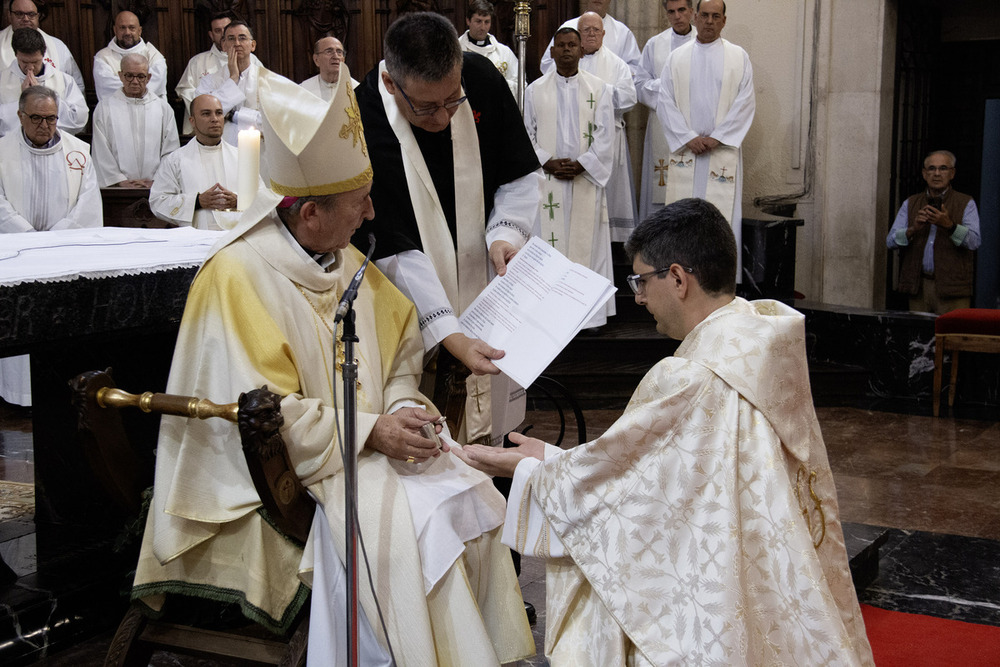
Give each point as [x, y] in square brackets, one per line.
[912, 640]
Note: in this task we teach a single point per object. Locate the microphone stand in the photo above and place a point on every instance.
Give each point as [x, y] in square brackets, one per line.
[349, 371]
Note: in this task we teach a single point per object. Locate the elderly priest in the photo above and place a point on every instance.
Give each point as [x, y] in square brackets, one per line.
[261, 311]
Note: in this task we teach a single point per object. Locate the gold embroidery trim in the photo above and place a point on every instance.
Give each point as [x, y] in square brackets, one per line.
[326, 189]
[817, 504]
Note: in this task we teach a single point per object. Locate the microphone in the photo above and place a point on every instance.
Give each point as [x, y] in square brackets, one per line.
[351, 292]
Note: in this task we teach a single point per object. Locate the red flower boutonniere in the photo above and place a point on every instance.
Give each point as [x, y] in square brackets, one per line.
[476, 115]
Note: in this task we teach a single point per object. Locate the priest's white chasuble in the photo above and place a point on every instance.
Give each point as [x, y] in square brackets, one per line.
[573, 118]
[188, 171]
[131, 136]
[108, 62]
[620, 188]
[73, 112]
[260, 312]
[707, 90]
[655, 151]
[703, 526]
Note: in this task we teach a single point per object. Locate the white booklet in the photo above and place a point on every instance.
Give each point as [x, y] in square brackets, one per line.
[535, 309]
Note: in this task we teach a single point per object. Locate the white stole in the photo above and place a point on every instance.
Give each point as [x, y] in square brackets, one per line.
[75, 154]
[723, 160]
[129, 159]
[660, 160]
[579, 247]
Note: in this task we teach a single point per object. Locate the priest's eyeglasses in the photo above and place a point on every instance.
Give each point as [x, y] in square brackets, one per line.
[24, 15]
[37, 120]
[637, 281]
[430, 111]
[129, 76]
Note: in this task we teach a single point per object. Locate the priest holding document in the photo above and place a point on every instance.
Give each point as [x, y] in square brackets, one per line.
[702, 527]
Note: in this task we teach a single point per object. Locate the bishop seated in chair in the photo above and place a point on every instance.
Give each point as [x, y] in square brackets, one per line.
[261, 312]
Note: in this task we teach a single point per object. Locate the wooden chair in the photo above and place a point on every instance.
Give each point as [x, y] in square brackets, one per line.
[124, 476]
[963, 330]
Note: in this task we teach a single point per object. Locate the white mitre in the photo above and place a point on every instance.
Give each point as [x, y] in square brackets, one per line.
[313, 147]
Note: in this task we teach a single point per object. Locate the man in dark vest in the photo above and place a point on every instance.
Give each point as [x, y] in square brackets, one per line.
[937, 233]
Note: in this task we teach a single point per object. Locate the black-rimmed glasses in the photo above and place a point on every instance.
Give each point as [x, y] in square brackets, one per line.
[430, 111]
[637, 281]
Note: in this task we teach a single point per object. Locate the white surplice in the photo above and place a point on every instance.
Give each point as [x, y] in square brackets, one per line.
[620, 188]
[200, 66]
[131, 136]
[108, 63]
[655, 153]
[618, 38]
[184, 174]
[573, 117]
[702, 527]
[707, 90]
[73, 112]
[498, 54]
[242, 99]
[57, 54]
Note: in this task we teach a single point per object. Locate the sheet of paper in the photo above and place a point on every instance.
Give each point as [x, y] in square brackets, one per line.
[535, 309]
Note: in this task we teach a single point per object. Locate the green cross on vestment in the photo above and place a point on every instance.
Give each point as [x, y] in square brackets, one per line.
[553, 239]
[591, 101]
[551, 206]
[589, 134]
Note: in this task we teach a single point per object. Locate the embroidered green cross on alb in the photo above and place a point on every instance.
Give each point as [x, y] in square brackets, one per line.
[551, 206]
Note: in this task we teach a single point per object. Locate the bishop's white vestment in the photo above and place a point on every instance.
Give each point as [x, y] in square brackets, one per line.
[702, 527]
[497, 53]
[131, 136]
[707, 90]
[572, 117]
[618, 38]
[655, 153]
[57, 54]
[73, 112]
[108, 63]
[188, 171]
[242, 99]
[260, 312]
[621, 188]
[321, 88]
[200, 66]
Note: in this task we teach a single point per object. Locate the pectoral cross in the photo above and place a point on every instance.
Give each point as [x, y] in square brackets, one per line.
[662, 170]
[553, 239]
[589, 134]
[551, 206]
[591, 101]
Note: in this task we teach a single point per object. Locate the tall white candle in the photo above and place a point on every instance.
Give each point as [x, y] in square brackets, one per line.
[248, 174]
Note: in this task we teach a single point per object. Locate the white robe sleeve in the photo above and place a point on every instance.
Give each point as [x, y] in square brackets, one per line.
[67, 63]
[625, 95]
[169, 141]
[8, 117]
[412, 272]
[88, 211]
[515, 211]
[675, 126]
[103, 150]
[600, 157]
[73, 111]
[734, 127]
[526, 530]
[222, 86]
[647, 81]
[106, 82]
[10, 220]
[166, 198]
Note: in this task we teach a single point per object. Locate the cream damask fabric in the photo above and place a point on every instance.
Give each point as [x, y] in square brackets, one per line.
[703, 527]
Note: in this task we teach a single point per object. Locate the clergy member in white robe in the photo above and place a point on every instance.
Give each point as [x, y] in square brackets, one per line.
[30, 68]
[127, 39]
[655, 153]
[133, 130]
[236, 87]
[706, 107]
[202, 64]
[702, 528]
[455, 188]
[618, 38]
[25, 14]
[328, 54]
[47, 181]
[570, 120]
[600, 61]
[477, 39]
[261, 311]
[196, 184]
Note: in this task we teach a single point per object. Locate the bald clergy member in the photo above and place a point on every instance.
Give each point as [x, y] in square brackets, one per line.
[236, 86]
[133, 129]
[261, 311]
[328, 54]
[196, 184]
[706, 106]
[203, 64]
[702, 528]
[26, 14]
[570, 119]
[655, 153]
[618, 37]
[456, 185]
[127, 39]
[30, 68]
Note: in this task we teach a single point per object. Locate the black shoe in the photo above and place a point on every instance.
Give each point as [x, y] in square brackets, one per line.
[529, 609]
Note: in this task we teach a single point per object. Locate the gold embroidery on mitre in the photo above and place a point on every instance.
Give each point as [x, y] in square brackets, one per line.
[353, 126]
[803, 478]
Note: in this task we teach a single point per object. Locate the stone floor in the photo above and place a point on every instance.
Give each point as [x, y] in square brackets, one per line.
[931, 481]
